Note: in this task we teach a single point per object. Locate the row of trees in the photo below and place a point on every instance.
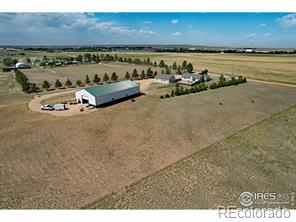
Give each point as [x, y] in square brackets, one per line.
[232, 81]
[96, 58]
[68, 83]
[135, 75]
[22, 79]
[180, 90]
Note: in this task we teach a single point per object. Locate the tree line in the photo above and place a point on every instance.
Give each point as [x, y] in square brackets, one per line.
[180, 90]
[97, 80]
[22, 79]
[96, 58]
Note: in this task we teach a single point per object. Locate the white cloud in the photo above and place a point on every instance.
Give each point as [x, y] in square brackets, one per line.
[177, 34]
[262, 24]
[287, 21]
[147, 22]
[251, 35]
[265, 35]
[51, 27]
[175, 21]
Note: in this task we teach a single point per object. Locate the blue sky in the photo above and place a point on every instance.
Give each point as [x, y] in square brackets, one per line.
[217, 29]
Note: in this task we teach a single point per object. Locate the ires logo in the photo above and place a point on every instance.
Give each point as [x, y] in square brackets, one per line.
[248, 199]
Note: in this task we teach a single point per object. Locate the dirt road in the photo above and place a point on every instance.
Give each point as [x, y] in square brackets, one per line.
[72, 110]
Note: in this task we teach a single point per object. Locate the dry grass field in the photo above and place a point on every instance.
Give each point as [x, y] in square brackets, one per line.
[75, 72]
[260, 158]
[276, 68]
[10, 90]
[50, 162]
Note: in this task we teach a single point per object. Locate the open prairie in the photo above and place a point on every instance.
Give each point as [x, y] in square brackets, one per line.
[75, 72]
[261, 157]
[51, 162]
[276, 68]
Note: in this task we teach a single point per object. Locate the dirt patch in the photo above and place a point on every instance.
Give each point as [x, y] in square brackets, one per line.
[49, 162]
[258, 159]
[71, 110]
[144, 84]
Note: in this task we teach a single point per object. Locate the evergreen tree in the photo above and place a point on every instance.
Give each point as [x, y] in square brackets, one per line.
[78, 82]
[179, 71]
[174, 66]
[142, 74]
[114, 77]
[135, 74]
[167, 70]
[184, 64]
[87, 81]
[127, 75]
[106, 77]
[96, 79]
[68, 83]
[45, 84]
[161, 63]
[189, 67]
[58, 84]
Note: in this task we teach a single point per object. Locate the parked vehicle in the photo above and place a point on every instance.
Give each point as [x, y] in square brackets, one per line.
[59, 107]
[47, 107]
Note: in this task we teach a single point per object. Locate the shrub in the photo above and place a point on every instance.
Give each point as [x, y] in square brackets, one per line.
[192, 90]
[161, 97]
[167, 95]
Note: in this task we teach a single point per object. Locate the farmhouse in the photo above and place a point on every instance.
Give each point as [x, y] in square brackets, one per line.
[165, 78]
[98, 95]
[195, 77]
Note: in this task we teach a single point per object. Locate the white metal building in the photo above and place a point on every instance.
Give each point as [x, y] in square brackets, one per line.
[98, 95]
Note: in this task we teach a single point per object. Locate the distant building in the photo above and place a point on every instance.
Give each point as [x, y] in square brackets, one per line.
[249, 50]
[21, 65]
[98, 95]
[165, 78]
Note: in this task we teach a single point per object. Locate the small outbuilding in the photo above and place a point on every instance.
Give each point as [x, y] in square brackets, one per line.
[98, 95]
[165, 78]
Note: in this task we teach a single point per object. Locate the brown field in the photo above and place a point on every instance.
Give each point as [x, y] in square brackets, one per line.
[50, 162]
[260, 158]
[275, 68]
[75, 72]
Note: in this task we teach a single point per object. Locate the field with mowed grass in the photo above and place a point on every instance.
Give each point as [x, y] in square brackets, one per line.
[53, 162]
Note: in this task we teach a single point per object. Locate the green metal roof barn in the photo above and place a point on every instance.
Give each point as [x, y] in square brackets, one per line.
[98, 95]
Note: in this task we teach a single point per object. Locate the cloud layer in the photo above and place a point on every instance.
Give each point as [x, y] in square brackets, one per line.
[287, 21]
[63, 26]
